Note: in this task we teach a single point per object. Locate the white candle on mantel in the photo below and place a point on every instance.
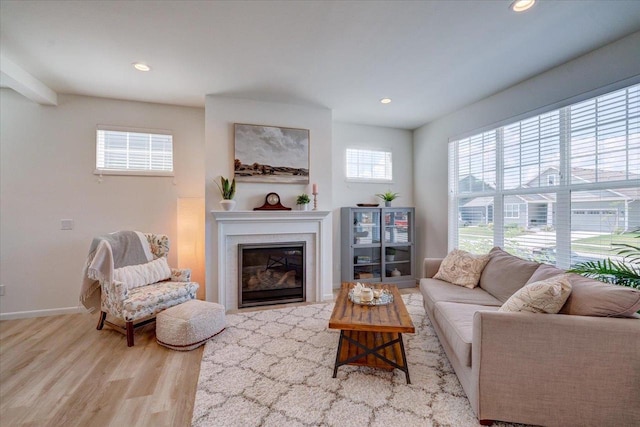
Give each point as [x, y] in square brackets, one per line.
[315, 189]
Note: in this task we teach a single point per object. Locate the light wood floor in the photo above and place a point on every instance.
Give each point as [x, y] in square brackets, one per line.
[61, 371]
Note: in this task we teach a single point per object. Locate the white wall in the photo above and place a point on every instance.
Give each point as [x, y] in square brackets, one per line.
[399, 142]
[221, 114]
[606, 68]
[47, 156]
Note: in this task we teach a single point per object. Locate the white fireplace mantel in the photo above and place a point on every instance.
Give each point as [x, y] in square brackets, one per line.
[236, 227]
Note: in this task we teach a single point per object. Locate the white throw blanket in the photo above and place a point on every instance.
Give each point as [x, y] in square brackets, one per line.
[107, 253]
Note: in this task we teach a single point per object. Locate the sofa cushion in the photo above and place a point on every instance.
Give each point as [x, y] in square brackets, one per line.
[462, 268]
[504, 274]
[544, 271]
[591, 297]
[456, 323]
[545, 296]
[146, 301]
[434, 290]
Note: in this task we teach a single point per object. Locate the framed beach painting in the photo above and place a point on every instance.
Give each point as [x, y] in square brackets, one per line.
[271, 154]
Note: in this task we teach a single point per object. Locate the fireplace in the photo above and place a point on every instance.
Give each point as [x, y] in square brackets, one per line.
[233, 228]
[271, 273]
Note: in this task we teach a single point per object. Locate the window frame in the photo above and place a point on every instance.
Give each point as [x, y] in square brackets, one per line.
[133, 172]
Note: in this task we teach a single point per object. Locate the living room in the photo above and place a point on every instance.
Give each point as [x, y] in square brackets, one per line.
[452, 69]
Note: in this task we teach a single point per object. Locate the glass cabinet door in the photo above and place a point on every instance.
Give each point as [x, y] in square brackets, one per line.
[397, 223]
[366, 226]
[397, 243]
[366, 263]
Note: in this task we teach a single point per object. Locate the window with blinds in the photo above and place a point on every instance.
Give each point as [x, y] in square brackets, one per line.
[369, 165]
[562, 187]
[127, 152]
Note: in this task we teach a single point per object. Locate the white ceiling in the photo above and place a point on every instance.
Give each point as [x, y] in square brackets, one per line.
[430, 57]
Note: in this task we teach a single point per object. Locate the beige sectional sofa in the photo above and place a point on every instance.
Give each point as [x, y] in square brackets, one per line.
[574, 368]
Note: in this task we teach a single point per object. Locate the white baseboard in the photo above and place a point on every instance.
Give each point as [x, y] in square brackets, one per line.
[41, 313]
[327, 297]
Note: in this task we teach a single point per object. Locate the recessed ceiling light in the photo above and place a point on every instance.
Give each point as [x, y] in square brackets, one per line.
[141, 67]
[385, 100]
[522, 5]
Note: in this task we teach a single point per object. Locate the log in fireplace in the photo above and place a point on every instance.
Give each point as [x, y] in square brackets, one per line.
[271, 273]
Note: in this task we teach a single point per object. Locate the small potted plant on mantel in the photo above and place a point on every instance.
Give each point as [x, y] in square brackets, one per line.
[303, 202]
[388, 197]
[227, 190]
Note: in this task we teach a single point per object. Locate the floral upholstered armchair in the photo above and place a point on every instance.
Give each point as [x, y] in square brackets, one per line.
[136, 293]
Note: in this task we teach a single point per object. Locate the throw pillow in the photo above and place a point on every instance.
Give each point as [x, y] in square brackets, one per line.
[135, 276]
[462, 268]
[545, 296]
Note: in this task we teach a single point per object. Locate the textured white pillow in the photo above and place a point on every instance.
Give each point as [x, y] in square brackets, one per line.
[462, 268]
[134, 276]
[545, 296]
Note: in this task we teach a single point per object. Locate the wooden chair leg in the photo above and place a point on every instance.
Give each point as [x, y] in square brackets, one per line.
[129, 334]
[103, 315]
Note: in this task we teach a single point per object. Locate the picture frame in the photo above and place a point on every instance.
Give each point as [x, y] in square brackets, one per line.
[271, 154]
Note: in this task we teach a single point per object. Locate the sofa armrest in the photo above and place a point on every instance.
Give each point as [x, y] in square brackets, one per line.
[430, 267]
[180, 274]
[554, 369]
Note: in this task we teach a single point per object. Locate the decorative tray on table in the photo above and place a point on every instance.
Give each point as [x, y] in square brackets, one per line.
[384, 298]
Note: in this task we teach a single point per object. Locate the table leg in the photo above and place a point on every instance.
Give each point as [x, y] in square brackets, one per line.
[404, 360]
[335, 368]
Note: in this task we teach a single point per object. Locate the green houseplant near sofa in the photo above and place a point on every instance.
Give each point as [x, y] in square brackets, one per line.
[624, 273]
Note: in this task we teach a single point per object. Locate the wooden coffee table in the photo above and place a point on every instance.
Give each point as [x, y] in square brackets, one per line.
[371, 335]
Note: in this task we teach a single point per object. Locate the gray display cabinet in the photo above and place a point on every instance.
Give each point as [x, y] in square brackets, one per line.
[378, 245]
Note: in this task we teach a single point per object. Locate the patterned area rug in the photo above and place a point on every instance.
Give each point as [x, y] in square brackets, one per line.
[274, 368]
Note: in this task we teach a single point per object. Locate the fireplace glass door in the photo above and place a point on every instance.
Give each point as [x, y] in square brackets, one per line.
[271, 273]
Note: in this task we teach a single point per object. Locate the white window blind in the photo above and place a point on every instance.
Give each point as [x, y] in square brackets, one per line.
[477, 163]
[567, 187]
[532, 151]
[133, 152]
[373, 165]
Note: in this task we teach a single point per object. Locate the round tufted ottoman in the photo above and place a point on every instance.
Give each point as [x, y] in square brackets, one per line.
[189, 325]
